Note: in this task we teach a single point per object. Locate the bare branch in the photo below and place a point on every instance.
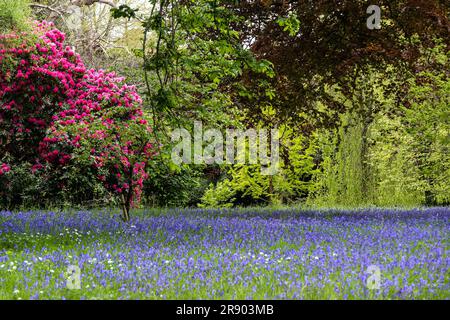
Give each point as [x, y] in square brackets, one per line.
[43, 6]
[91, 2]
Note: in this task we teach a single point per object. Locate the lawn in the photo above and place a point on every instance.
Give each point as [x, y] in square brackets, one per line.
[226, 254]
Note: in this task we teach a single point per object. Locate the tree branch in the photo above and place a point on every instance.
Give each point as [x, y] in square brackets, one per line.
[43, 6]
[91, 2]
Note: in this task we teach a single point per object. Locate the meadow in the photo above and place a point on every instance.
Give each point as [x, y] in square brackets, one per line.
[226, 254]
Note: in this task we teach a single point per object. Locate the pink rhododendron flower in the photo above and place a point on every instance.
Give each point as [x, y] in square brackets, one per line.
[49, 102]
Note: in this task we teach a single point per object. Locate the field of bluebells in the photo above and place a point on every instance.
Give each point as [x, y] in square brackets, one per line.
[226, 254]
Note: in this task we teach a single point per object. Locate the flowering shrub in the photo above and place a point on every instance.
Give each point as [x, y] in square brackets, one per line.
[4, 168]
[54, 112]
[118, 150]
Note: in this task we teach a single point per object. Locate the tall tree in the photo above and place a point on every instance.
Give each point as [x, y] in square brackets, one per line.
[331, 39]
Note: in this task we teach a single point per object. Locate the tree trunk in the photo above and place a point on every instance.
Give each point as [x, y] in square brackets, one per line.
[125, 209]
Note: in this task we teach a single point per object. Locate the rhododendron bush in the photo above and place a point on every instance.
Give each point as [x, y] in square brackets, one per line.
[55, 114]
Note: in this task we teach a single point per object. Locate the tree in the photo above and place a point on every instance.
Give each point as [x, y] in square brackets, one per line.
[427, 121]
[332, 39]
[116, 144]
[192, 58]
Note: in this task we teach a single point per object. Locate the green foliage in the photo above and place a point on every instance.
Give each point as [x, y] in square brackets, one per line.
[192, 64]
[397, 182]
[123, 11]
[21, 188]
[192, 59]
[427, 122]
[219, 196]
[169, 186]
[246, 184]
[14, 15]
[290, 24]
[389, 155]
[76, 187]
[341, 178]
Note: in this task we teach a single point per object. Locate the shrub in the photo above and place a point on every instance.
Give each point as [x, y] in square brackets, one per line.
[55, 113]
